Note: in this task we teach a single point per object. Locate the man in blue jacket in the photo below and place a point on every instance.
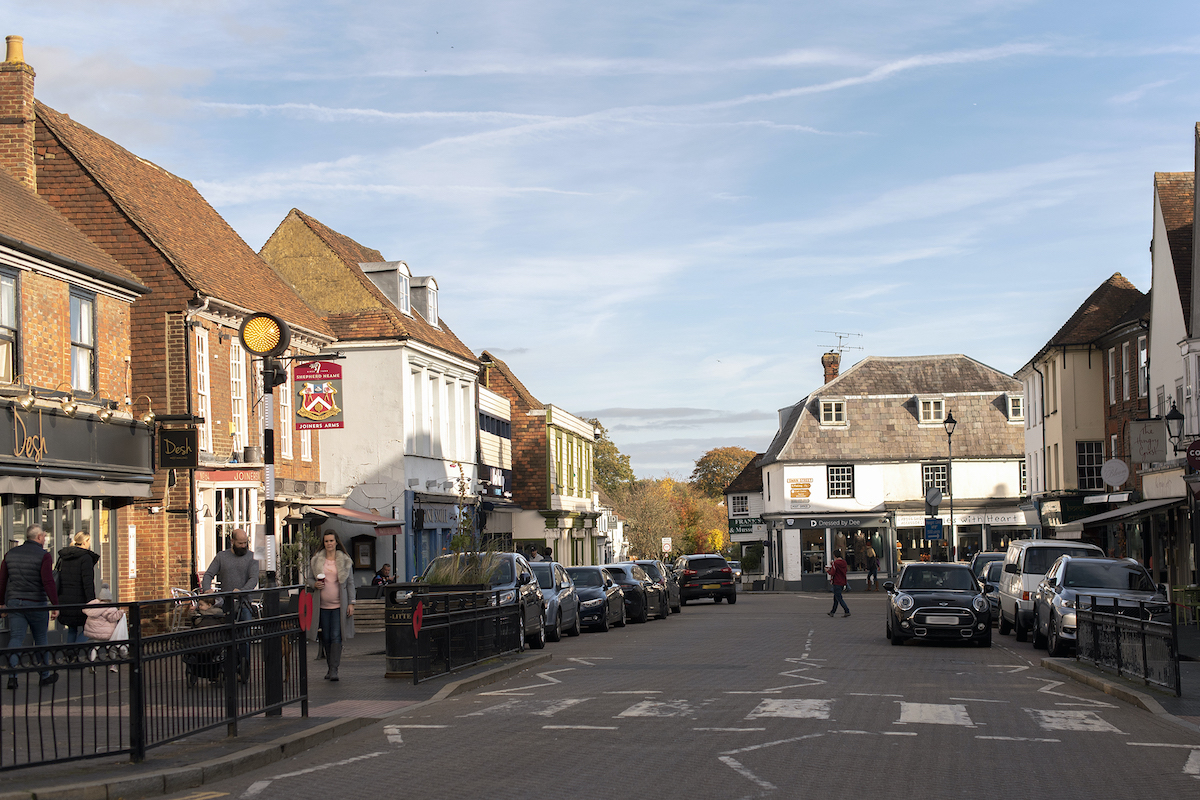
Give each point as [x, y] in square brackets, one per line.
[26, 588]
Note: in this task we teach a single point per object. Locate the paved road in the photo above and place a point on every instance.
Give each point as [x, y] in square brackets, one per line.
[768, 698]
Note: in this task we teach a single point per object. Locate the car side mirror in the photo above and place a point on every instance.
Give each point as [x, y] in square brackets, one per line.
[522, 580]
[889, 587]
[1012, 569]
[608, 583]
[1162, 589]
[988, 588]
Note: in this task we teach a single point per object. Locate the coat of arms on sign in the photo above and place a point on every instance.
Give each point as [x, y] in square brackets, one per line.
[318, 401]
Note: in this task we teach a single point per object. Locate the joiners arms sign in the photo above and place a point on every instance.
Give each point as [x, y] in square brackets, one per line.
[318, 386]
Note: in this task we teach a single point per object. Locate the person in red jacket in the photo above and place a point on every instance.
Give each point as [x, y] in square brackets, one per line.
[837, 571]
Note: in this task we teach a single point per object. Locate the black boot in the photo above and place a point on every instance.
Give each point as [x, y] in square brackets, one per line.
[335, 660]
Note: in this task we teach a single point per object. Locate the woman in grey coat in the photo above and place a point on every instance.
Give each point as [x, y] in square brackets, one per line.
[332, 582]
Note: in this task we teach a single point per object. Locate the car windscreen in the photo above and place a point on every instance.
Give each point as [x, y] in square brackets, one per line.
[735, 565]
[1093, 575]
[586, 577]
[652, 570]
[455, 568]
[1040, 559]
[545, 575]
[954, 580]
[707, 563]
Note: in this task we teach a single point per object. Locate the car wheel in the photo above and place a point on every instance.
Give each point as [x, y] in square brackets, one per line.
[603, 626]
[887, 629]
[986, 639]
[1005, 628]
[555, 633]
[1055, 644]
[717, 599]
[521, 630]
[732, 598]
[678, 607]
[621, 620]
[1039, 638]
[664, 609]
[539, 639]
[682, 602]
[1019, 630]
[574, 630]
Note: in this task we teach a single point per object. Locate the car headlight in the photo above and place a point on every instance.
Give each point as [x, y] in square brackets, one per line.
[591, 603]
[980, 603]
[506, 597]
[1068, 603]
[904, 602]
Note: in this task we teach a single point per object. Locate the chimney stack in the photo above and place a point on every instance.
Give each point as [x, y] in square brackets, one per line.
[831, 362]
[16, 114]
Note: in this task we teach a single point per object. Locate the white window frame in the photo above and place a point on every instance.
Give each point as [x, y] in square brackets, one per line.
[306, 445]
[931, 410]
[833, 412]
[431, 299]
[1112, 376]
[237, 396]
[1089, 464]
[405, 297]
[839, 481]
[283, 425]
[1125, 370]
[1024, 479]
[1016, 408]
[83, 342]
[203, 390]
[739, 505]
[1143, 367]
[936, 475]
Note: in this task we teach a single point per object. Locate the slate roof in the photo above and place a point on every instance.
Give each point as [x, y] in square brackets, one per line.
[202, 247]
[524, 395]
[882, 414]
[749, 479]
[32, 225]
[356, 309]
[1176, 193]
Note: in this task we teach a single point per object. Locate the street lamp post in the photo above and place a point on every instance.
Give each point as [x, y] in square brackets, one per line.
[949, 424]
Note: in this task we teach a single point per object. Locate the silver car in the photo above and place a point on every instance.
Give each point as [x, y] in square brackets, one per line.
[562, 602]
[1076, 579]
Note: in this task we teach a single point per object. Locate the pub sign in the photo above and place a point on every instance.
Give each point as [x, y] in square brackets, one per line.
[318, 387]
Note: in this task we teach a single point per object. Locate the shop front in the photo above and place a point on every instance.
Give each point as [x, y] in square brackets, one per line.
[799, 548]
[974, 531]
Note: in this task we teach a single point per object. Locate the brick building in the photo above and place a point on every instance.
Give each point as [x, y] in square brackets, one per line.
[71, 458]
[186, 360]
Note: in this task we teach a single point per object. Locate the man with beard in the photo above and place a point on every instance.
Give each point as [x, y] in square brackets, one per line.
[235, 570]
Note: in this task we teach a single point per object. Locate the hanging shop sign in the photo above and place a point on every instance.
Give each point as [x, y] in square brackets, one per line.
[318, 386]
[177, 449]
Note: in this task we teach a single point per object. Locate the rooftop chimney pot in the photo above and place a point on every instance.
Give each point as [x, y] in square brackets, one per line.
[15, 53]
[831, 362]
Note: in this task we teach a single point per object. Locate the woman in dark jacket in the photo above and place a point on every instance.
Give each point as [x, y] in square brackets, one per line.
[77, 584]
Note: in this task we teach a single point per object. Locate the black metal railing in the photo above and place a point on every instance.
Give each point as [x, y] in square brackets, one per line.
[459, 627]
[167, 680]
[1134, 640]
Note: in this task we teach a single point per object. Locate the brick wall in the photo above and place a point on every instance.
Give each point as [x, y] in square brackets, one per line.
[1118, 414]
[16, 122]
[530, 447]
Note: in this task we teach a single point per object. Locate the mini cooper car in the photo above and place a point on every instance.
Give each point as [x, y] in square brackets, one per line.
[942, 602]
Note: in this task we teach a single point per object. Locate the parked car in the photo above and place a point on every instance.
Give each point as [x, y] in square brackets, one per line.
[1074, 579]
[601, 602]
[562, 603]
[642, 595]
[736, 566]
[938, 601]
[1024, 565]
[509, 576]
[992, 571]
[705, 575]
[664, 577]
[981, 560]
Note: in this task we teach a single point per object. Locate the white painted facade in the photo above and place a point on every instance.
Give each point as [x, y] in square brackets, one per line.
[1168, 333]
[1062, 409]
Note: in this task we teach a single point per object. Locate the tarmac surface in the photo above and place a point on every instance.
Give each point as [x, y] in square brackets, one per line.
[365, 697]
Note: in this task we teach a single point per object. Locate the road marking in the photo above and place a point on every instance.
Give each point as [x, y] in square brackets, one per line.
[545, 676]
[392, 732]
[579, 727]
[593, 658]
[753, 747]
[1015, 739]
[1010, 667]
[258, 786]
[729, 730]
[560, 705]
[1060, 720]
[805, 665]
[420, 726]
[792, 709]
[737, 767]
[1083, 701]
[642, 691]
[507, 705]
[870, 694]
[203, 796]
[899, 733]
[976, 700]
[654, 708]
[1158, 744]
[934, 714]
[1192, 767]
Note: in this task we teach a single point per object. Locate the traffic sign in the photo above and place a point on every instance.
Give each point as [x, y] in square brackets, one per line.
[933, 528]
[1193, 454]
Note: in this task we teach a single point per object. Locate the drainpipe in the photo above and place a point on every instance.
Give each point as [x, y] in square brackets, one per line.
[1042, 393]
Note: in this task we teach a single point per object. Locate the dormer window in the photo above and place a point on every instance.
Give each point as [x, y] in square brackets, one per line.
[933, 410]
[402, 296]
[1016, 408]
[431, 302]
[833, 412]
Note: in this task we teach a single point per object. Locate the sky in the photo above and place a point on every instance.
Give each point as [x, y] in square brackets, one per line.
[660, 213]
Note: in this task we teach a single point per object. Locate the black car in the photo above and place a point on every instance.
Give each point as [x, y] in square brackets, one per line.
[939, 602]
[981, 560]
[705, 575]
[642, 595]
[660, 574]
[601, 602]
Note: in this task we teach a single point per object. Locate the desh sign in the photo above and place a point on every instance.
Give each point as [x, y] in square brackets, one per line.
[318, 387]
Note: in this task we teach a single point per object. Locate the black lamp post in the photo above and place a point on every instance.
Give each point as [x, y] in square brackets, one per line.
[949, 424]
[1174, 421]
[267, 336]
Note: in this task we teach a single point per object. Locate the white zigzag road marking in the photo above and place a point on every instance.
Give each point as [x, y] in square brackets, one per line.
[545, 676]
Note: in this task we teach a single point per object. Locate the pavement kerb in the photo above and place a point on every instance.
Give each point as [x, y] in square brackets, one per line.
[1069, 668]
[173, 779]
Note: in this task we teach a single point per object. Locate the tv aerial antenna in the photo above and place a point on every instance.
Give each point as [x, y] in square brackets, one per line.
[841, 346]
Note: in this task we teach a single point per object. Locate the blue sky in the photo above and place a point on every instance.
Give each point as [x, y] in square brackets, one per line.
[650, 210]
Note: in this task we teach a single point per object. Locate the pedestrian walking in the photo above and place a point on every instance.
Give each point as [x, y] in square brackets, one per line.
[235, 569]
[837, 571]
[332, 580]
[872, 570]
[27, 588]
[76, 584]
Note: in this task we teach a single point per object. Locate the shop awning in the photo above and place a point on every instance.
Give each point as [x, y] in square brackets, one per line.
[69, 487]
[1116, 515]
[360, 517]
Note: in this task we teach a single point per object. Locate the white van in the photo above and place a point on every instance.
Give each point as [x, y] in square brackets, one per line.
[1025, 563]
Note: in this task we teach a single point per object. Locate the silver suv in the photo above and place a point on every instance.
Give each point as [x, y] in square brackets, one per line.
[1072, 580]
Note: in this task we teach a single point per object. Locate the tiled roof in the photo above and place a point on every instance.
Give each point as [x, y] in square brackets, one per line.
[749, 479]
[208, 254]
[882, 414]
[356, 308]
[1099, 312]
[27, 218]
[526, 397]
[1176, 193]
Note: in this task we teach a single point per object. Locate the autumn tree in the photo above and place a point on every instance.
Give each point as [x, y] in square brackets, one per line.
[610, 467]
[717, 468]
[649, 515]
